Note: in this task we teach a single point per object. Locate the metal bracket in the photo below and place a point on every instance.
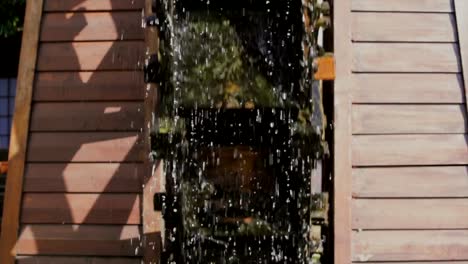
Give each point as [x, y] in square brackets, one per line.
[151, 69]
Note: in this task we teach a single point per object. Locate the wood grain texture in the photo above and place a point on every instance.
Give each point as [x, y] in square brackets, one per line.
[85, 147]
[92, 26]
[20, 130]
[92, 5]
[406, 57]
[109, 116]
[410, 213]
[75, 260]
[421, 262]
[403, 5]
[393, 182]
[80, 209]
[79, 240]
[461, 12]
[84, 178]
[408, 88]
[409, 119]
[385, 150]
[89, 86]
[343, 86]
[153, 221]
[424, 245]
[405, 27]
[91, 56]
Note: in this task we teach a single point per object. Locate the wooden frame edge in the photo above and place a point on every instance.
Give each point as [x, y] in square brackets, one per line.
[153, 222]
[342, 131]
[461, 16]
[20, 131]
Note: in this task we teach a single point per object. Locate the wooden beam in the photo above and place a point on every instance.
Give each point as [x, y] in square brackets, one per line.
[461, 14]
[20, 129]
[153, 223]
[342, 140]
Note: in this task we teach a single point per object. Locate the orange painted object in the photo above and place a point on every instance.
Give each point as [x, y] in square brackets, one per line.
[326, 69]
[3, 167]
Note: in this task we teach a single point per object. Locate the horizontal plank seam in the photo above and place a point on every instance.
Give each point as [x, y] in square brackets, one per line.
[416, 103]
[104, 192]
[358, 230]
[84, 130]
[114, 40]
[50, 11]
[407, 166]
[406, 133]
[91, 41]
[87, 225]
[136, 69]
[103, 11]
[103, 101]
[403, 42]
[84, 162]
[112, 224]
[88, 101]
[405, 72]
[401, 12]
[410, 198]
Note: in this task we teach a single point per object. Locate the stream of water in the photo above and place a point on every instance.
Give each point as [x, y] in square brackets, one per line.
[240, 128]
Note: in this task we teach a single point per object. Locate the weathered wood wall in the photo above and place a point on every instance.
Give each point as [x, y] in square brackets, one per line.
[409, 143]
[84, 164]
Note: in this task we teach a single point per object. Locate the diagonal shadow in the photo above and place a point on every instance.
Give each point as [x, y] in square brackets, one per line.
[51, 148]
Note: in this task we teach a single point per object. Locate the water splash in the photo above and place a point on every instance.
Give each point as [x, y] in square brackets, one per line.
[240, 129]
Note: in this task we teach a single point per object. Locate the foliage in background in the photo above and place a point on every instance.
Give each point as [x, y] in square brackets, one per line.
[11, 17]
[214, 68]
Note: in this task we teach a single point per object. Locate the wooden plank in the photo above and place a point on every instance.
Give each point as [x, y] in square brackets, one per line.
[343, 86]
[92, 26]
[424, 245]
[412, 119]
[410, 213]
[83, 177]
[92, 5]
[85, 147]
[75, 260]
[461, 12]
[446, 181]
[80, 208]
[110, 116]
[403, 5]
[385, 150]
[91, 56]
[406, 57]
[405, 27]
[421, 262]
[153, 222]
[20, 127]
[90, 240]
[408, 88]
[89, 86]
